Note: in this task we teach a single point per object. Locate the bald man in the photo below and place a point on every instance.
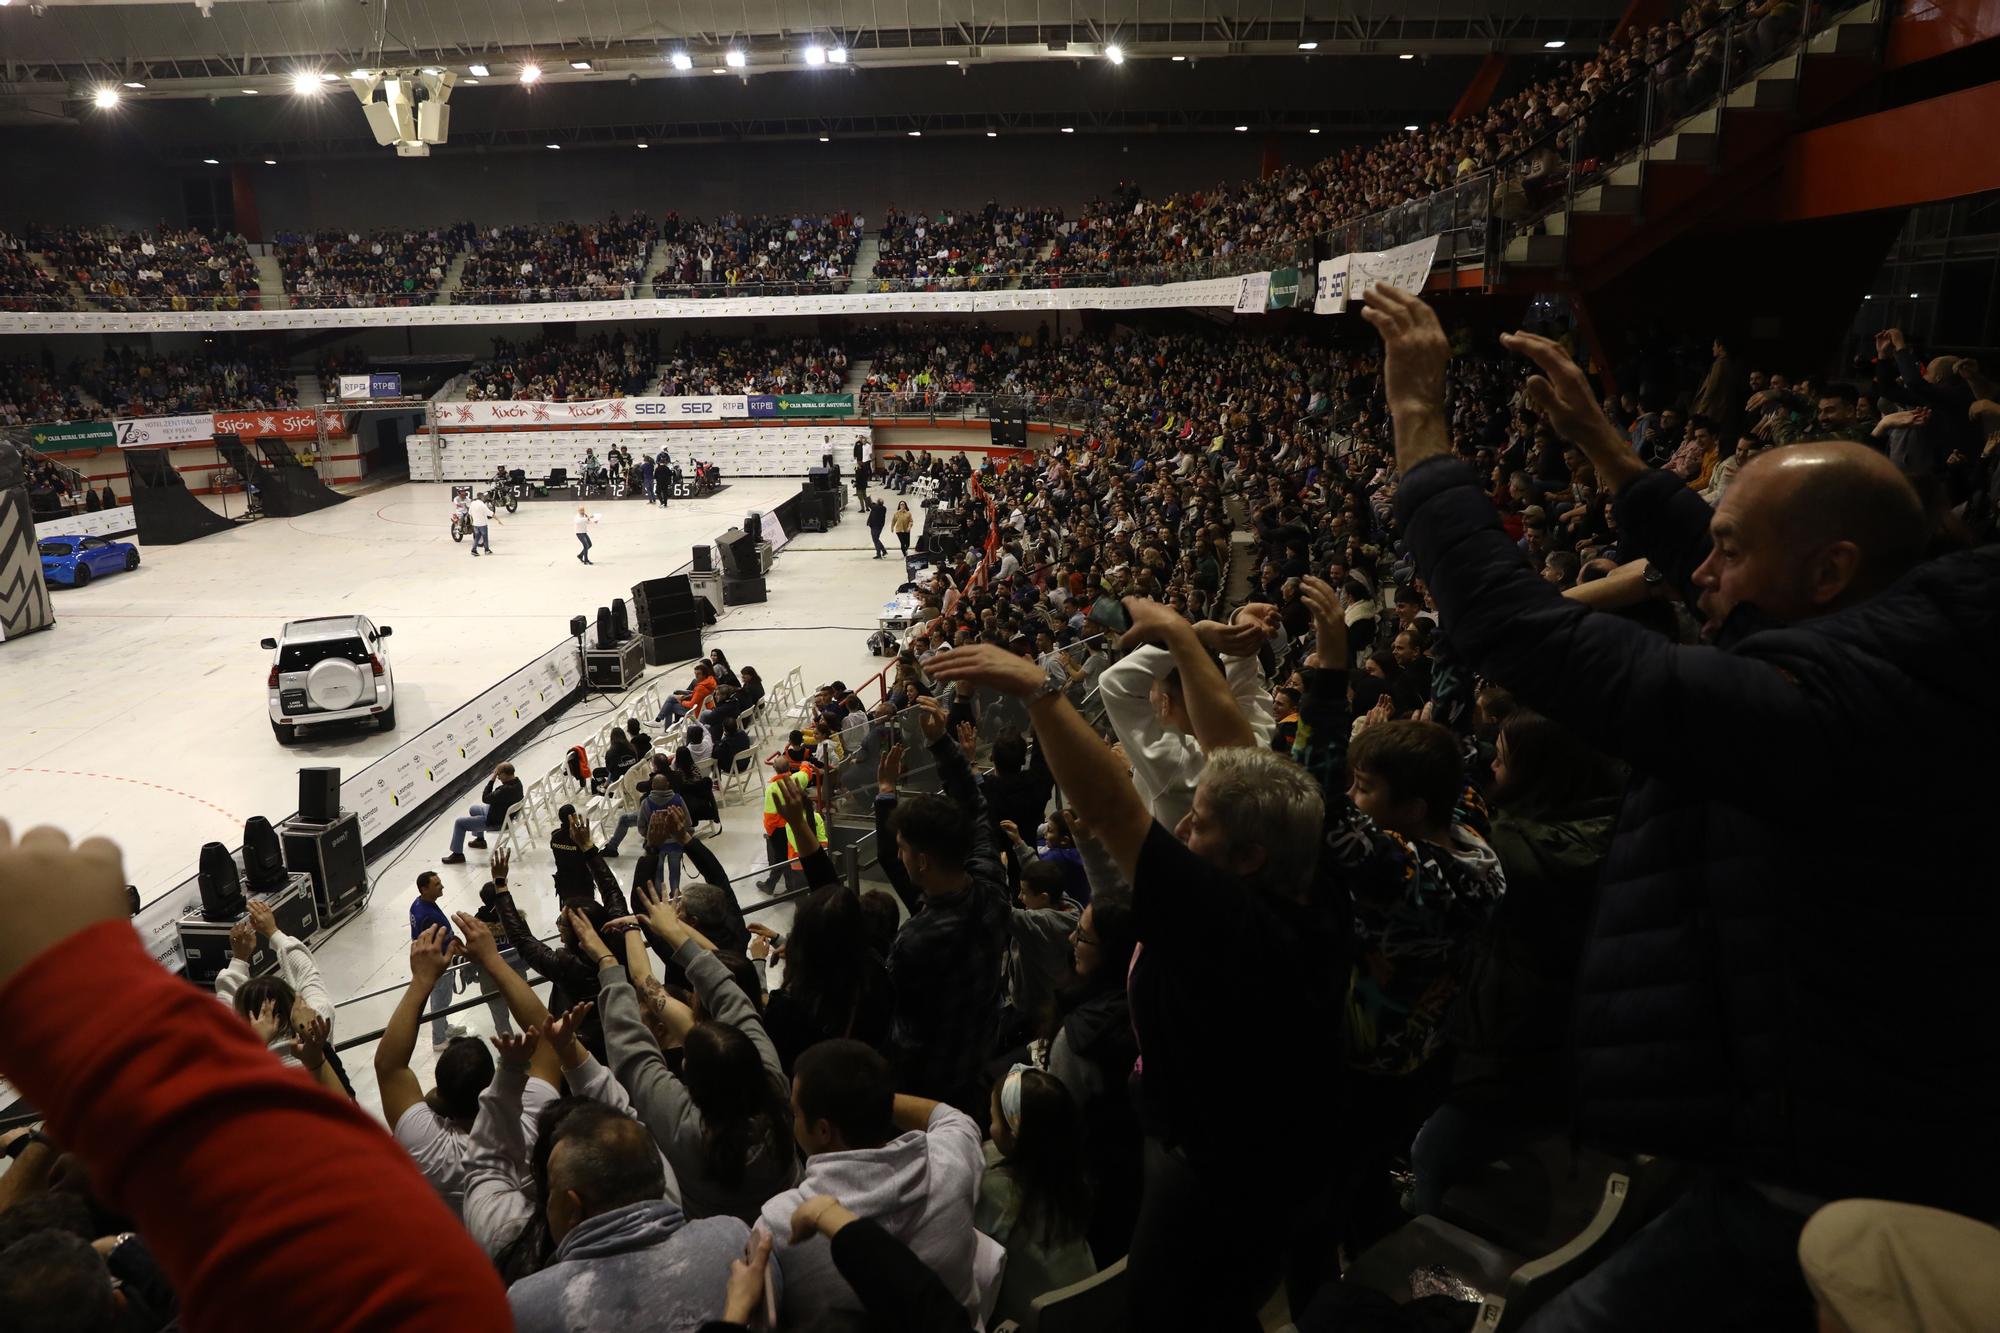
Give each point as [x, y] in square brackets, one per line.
[1787, 980]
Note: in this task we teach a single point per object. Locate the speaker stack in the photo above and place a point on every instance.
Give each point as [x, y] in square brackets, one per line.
[742, 580]
[669, 619]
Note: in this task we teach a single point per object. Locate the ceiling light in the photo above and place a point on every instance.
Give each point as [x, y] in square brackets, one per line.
[1308, 46]
[478, 71]
[362, 73]
[1242, 129]
[1553, 44]
[643, 145]
[133, 83]
[1069, 129]
[1411, 128]
[1115, 54]
[735, 59]
[916, 134]
[329, 76]
[951, 62]
[1313, 130]
[837, 56]
[1179, 59]
[719, 70]
[1914, 296]
[992, 134]
[432, 70]
[270, 161]
[106, 98]
[1407, 55]
[306, 83]
[815, 54]
[825, 139]
[249, 92]
[469, 81]
[530, 72]
[553, 147]
[579, 64]
[211, 162]
[681, 60]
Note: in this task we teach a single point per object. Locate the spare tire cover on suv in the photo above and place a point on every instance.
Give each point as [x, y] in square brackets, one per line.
[335, 683]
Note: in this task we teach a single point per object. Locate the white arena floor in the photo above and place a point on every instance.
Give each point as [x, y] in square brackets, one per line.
[141, 717]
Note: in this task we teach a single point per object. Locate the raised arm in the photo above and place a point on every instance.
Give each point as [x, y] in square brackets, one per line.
[398, 1084]
[88, 1022]
[1211, 702]
[887, 774]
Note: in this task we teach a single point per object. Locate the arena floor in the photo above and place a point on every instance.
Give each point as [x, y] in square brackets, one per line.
[141, 717]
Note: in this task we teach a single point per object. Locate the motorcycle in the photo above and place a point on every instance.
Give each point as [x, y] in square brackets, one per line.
[461, 515]
[503, 496]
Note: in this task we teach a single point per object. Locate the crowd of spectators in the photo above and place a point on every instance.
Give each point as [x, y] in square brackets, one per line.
[755, 255]
[167, 269]
[951, 249]
[396, 266]
[913, 366]
[25, 284]
[567, 261]
[127, 383]
[714, 364]
[1447, 765]
[615, 365]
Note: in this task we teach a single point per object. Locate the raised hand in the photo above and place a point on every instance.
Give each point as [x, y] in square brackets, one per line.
[931, 717]
[498, 865]
[889, 769]
[995, 668]
[242, 940]
[309, 1034]
[1562, 393]
[587, 939]
[266, 1022]
[968, 739]
[562, 1028]
[1152, 623]
[517, 1048]
[49, 891]
[478, 937]
[661, 918]
[1329, 624]
[262, 918]
[427, 956]
[790, 800]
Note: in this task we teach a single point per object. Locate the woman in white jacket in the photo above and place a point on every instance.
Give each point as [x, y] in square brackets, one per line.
[291, 1011]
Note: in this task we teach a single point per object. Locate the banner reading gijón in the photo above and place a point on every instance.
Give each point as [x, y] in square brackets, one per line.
[802, 405]
[291, 424]
[144, 432]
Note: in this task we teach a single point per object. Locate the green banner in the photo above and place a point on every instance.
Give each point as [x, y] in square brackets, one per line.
[1285, 283]
[60, 435]
[813, 405]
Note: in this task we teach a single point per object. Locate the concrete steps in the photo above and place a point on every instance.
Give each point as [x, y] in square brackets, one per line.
[864, 279]
[270, 282]
[654, 263]
[453, 279]
[857, 375]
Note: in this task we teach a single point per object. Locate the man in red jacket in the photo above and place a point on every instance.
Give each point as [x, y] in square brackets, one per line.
[159, 1089]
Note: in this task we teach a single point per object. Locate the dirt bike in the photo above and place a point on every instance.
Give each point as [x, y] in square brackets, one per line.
[504, 496]
[461, 516]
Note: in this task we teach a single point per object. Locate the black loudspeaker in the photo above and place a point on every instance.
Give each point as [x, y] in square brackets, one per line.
[704, 560]
[578, 626]
[263, 858]
[221, 891]
[739, 591]
[621, 628]
[604, 638]
[753, 527]
[672, 646]
[739, 553]
[822, 479]
[319, 795]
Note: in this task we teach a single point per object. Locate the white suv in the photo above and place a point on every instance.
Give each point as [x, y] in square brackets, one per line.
[330, 669]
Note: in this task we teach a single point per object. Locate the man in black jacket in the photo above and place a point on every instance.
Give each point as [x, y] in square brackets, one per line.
[1786, 981]
[503, 793]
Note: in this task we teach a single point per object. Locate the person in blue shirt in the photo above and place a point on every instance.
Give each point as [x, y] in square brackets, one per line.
[425, 913]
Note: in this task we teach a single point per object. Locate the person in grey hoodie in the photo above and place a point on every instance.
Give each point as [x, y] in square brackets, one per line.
[723, 1121]
[908, 1164]
[625, 1259]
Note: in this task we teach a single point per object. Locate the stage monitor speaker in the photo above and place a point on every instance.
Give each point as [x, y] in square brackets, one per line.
[579, 626]
[221, 890]
[822, 479]
[731, 544]
[621, 628]
[319, 795]
[604, 639]
[671, 646]
[742, 591]
[263, 858]
[704, 560]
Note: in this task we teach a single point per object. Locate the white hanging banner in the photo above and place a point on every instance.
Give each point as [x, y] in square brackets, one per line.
[1252, 291]
[594, 411]
[1331, 296]
[142, 432]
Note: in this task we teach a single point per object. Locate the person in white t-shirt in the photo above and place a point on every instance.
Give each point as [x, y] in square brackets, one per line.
[584, 520]
[481, 514]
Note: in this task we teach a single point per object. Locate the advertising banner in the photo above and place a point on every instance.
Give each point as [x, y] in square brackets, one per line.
[802, 405]
[142, 432]
[593, 412]
[60, 435]
[291, 424]
[117, 522]
[1331, 298]
[1252, 291]
[1284, 291]
[375, 384]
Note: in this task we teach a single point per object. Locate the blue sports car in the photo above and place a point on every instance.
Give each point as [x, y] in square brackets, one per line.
[74, 561]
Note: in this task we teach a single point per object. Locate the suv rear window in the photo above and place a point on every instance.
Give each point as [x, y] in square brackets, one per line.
[305, 656]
